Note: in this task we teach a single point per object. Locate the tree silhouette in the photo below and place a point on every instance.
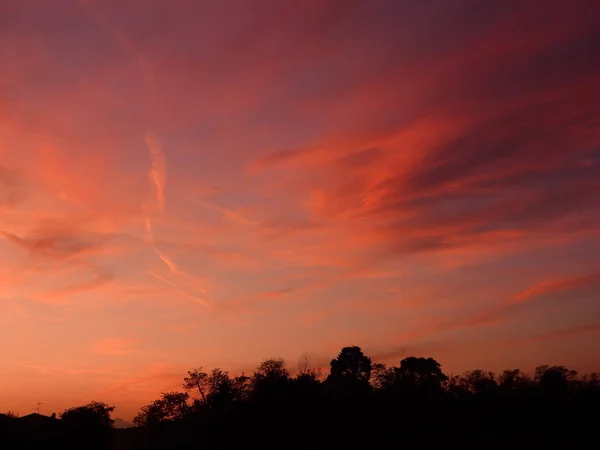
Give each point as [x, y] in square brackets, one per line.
[305, 387]
[271, 381]
[479, 382]
[93, 415]
[272, 369]
[171, 406]
[197, 379]
[553, 381]
[304, 363]
[420, 376]
[88, 425]
[514, 382]
[351, 366]
[224, 390]
[359, 402]
[382, 376]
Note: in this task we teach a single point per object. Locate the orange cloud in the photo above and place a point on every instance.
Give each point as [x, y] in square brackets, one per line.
[555, 286]
[60, 244]
[59, 293]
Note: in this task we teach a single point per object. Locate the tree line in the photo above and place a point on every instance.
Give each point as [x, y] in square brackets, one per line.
[359, 403]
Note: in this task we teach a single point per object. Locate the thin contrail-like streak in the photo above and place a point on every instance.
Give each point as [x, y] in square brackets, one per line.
[158, 171]
[180, 290]
[173, 268]
[151, 242]
[158, 178]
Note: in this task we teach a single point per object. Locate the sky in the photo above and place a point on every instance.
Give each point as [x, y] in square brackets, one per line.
[190, 183]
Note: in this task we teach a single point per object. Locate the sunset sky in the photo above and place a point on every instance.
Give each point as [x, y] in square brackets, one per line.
[191, 183]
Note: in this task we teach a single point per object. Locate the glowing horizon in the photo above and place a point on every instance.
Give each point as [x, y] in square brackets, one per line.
[210, 184]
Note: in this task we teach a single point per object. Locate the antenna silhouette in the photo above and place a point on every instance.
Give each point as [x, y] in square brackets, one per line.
[38, 407]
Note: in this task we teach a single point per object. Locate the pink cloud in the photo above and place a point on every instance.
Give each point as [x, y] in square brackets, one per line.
[560, 285]
[58, 294]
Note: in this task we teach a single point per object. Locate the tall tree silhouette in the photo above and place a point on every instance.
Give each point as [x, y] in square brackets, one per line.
[271, 381]
[514, 382]
[422, 376]
[351, 366]
[197, 380]
[224, 390]
[553, 381]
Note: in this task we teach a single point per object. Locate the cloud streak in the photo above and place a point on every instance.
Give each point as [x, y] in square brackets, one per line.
[158, 177]
[60, 293]
[54, 240]
[158, 170]
[180, 290]
[557, 286]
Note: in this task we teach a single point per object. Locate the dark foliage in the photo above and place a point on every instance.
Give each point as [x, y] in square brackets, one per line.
[87, 426]
[358, 405]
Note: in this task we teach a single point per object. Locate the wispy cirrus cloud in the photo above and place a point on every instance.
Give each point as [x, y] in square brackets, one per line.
[158, 178]
[58, 294]
[58, 241]
[557, 286]
[158, 170]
